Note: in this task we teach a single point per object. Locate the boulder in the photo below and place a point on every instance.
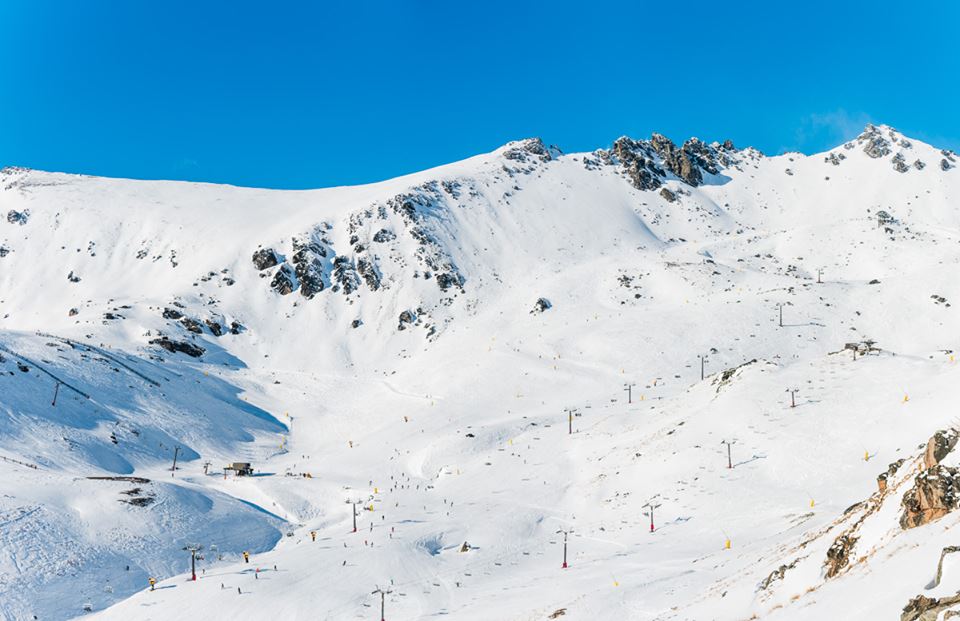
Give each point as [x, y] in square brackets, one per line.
[541, 305]
[669, 196]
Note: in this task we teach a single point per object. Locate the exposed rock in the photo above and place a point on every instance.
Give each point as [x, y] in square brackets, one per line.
[406, 318]
[945, 165]
[345, 274]
[265, 258]
[679, 161]
[284, 281]
[368, 270]
[541, 305]
[308, 267]
[874, 144]
[835, 158]
[4, 251]
[777, 575]
[73, 312]
[939, 446]
[356, 323]
[838, 556]
[215, 328]
[73, 277]
[923, 608]
[172, 313]
[236, 327]
[919, 165]
[934, 494]
[178, 346]
[192, 325]
[18, 217]
[883, 477]
[520, 151]
[900, 164]
[447, 280]
[668, 195]
[383, 236]
[943, 553]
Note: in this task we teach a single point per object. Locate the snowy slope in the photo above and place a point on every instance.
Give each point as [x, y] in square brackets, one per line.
[391, 348]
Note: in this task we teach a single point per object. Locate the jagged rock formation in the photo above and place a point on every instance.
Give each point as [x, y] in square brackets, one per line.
[874, 144]
[936, 490]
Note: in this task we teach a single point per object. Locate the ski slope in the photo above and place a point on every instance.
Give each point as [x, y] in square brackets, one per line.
[394, 356]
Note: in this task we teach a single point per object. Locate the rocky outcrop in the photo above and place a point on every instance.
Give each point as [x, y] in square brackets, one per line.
[384, 235]
[874, 144]
[936, 490]
[667, 195]
[884, 477]
[308, 256]
[935, 493]
[265, 258]
[407, 318]
[839, 554]
[835, 158]
[369, 272]
[18, 217]
[523, 150]
[192, 325]
[284, 281]
[183, 347]
[923, 608]
[899, 163]
[647, 163]
[345, 275]
[939, 446]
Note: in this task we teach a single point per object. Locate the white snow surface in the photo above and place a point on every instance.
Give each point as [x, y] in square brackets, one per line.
[455, 428]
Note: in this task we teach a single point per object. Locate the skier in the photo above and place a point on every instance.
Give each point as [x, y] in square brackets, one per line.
[246, 556]
[313, 535]
[152, 583]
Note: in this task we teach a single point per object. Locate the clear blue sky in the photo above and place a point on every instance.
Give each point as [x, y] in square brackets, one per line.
[310, 94]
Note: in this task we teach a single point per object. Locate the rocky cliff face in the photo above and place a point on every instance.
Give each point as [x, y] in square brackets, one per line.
[648, 163]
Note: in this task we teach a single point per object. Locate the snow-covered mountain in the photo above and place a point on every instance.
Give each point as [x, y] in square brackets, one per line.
[450, 349]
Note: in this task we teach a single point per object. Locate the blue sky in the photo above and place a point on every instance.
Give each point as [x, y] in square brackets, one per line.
[311, 94]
